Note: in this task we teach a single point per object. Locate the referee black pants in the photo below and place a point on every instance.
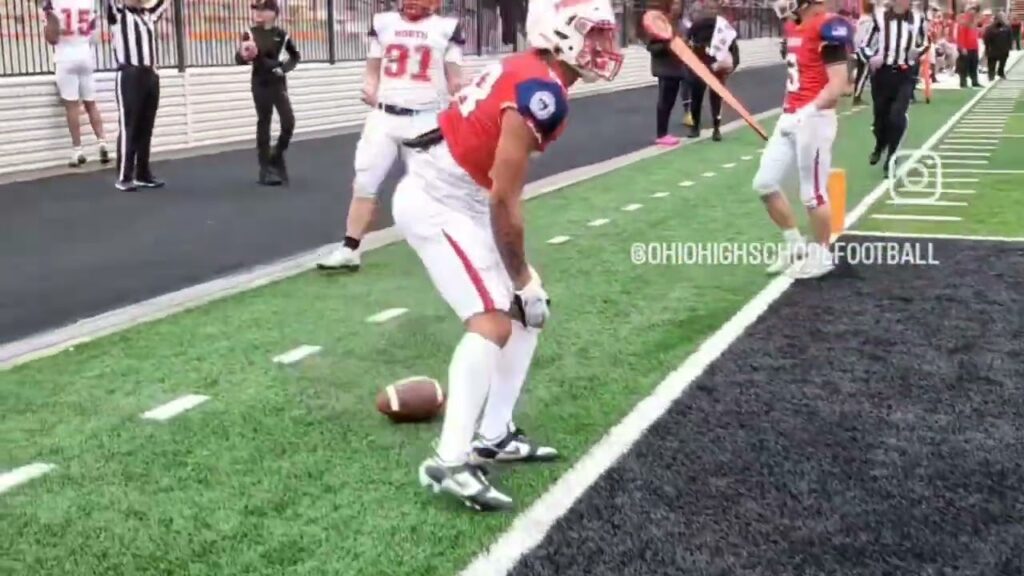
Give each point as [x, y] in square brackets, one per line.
[268, 95]
[891, 90]
[138, 98]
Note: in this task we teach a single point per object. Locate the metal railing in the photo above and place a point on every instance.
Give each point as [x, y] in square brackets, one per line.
[198, 33]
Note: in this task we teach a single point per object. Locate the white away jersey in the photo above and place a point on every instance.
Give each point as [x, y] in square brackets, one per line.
[78, 20]
[413, 54]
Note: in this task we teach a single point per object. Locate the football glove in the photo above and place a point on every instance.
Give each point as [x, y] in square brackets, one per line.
[533, 302]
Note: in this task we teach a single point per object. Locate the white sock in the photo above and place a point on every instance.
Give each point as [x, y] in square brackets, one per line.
[792, 236]
[516, 357]
[473, 366]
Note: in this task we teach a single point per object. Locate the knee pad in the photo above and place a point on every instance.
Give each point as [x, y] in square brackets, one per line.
[766, 184]
[364, 185]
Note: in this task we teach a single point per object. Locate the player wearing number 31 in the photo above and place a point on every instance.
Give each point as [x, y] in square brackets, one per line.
[413, 67]
[460, 208]
[817, 48]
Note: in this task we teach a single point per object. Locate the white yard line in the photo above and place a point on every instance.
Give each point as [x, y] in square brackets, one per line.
[916, 217]
[559, 240]
[980, 171]
[935, 236]
[295, 354]
[530, 527]
[598, 222]
[19, 476]
[54, 341]
[167, 411]
[386, 315]
[924, 202]
[632, 207]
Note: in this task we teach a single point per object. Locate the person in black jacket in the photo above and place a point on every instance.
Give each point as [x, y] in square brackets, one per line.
[264, 45]
[998, 40]
[671, 75]
[701, 34]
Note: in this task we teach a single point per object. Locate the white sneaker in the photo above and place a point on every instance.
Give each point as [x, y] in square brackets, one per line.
[819, 262]
[513, 447]
[467, 482]
[342, 258]
[789, 255]
[77, 159]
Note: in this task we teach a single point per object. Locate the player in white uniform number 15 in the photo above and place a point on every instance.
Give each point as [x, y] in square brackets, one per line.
[413, 67]
[70, 25]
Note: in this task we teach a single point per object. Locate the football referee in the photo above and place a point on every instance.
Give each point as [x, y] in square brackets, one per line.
[895, 41]
[138, 87]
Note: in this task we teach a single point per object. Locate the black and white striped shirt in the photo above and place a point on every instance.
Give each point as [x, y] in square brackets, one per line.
[899, 38]
[134, 31]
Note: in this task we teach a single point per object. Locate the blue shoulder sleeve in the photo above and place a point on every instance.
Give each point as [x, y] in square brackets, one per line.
[837, 30]
[542, 103]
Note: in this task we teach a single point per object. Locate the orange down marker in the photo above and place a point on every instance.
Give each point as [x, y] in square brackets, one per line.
[837, 200]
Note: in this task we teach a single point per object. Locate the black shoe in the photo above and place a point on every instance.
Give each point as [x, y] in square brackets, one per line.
[104, 155]
[149, 183]
[278, 165]
[126, 186]
[268, 177]
[857, 101]
[876, 155]
[716, 135]
[694, 132]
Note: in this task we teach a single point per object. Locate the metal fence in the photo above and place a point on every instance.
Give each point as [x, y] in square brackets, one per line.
[199, 33]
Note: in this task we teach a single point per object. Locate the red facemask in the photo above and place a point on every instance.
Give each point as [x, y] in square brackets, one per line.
[600, 54]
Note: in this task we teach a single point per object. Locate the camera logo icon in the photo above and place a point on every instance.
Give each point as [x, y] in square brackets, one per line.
[914, 177]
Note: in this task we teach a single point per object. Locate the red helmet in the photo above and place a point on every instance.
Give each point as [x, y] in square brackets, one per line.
[416, 9]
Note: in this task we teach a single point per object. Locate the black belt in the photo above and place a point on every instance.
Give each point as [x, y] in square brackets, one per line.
[425, 141]
[398, 110]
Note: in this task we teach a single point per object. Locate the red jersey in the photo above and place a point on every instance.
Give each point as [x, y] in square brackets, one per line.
[806, 69]
[472, 125]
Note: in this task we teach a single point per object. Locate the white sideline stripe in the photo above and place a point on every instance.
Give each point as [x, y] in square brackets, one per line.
[294, 355]
[936, 236]
[167, 411]
[959, 154]
[965, 147]
[53, 341]
[924, 202]
[686, 183]
[967, 141]
[632, 207]
[980, 171]
[386, 315]
[914, 217]
[559, 240]
[27, 473]
[598, 222]
[958, 161]
[530, 527]
[659, 194]
[961, 180]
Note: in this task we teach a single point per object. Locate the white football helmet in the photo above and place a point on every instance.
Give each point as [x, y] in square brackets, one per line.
[580, 33]
[789, 8]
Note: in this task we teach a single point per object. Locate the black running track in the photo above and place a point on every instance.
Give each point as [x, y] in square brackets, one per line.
[863, 426]
[72, 247]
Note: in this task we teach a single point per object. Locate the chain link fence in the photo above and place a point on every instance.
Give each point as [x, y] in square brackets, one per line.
[196, 33]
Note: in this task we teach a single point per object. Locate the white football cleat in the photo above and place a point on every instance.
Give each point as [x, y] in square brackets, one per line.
[514, 447]
[467, 482]
[343, 258]
[789, 255]
[819, 262]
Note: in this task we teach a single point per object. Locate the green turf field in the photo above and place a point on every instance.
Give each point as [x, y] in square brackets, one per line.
[290, 470]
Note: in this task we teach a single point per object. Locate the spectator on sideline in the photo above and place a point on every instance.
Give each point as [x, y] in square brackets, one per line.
[70, 25]
[1015, 27]
[133, 26]
[704, 35]
[670, 72]
[967, 47]
[264, 45]
[998, 40]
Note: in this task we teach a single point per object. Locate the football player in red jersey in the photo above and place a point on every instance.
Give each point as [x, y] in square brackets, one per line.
[817, 49]
[459, 207]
